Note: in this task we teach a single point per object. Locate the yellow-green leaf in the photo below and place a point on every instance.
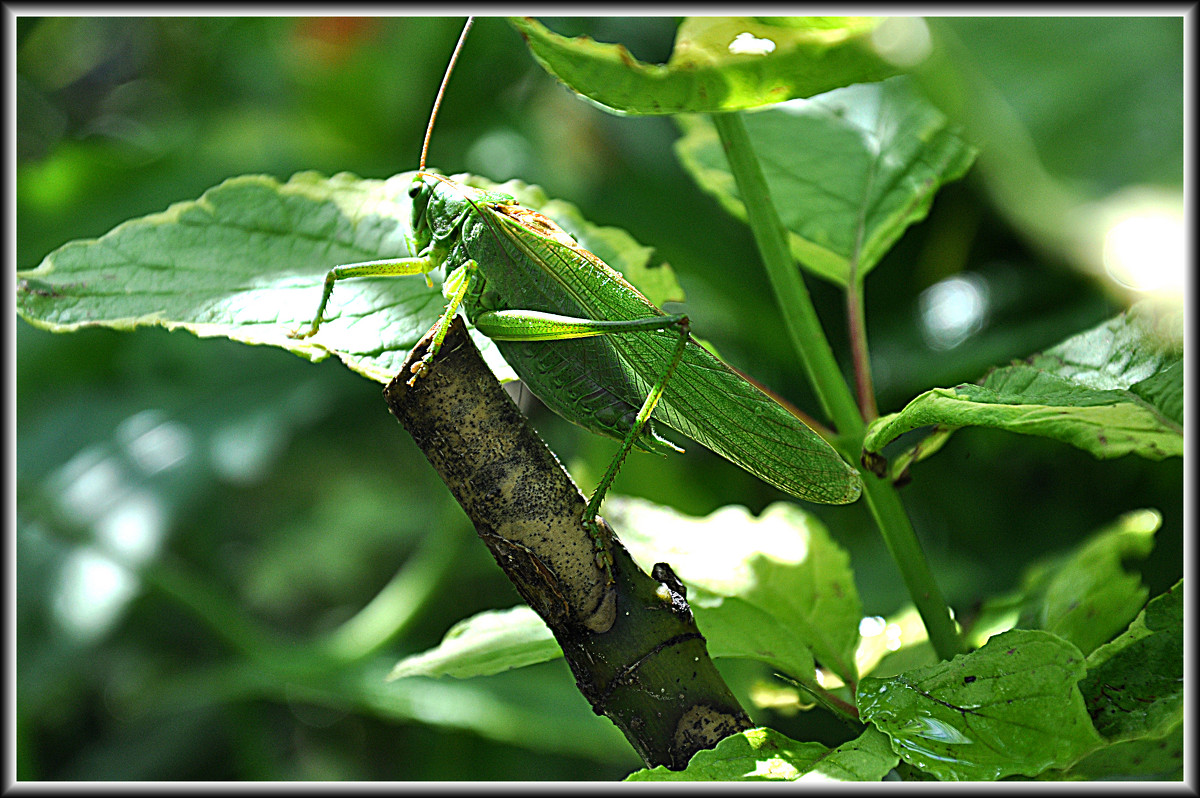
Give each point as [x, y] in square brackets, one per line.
[718, 63]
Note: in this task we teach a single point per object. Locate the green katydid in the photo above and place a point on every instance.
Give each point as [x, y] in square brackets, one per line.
[589, 345]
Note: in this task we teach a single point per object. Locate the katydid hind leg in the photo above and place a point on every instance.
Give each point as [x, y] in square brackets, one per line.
[522, 325]
[592, 511]
[516, 325]
[643, 416]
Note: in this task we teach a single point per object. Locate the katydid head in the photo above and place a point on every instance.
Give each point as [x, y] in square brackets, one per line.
[440, 204]
[421, 192]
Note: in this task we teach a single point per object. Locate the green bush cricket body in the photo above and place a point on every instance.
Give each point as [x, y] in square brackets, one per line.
[589, 345]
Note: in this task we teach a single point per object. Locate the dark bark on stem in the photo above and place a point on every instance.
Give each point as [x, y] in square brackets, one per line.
[632, 644]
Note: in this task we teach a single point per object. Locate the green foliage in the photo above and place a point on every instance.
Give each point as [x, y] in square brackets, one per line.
[244, 260]
[1134, 693]
[1141, 759]
[237, 262]
[272, 546]
[717, 64]
[1085, 595]
[487, 643]
[874, 156]
[1134, 686]
[768, 605]
[1011, 707]
[775, 588]
[784, 596]
[767, 755]
[1113, 390]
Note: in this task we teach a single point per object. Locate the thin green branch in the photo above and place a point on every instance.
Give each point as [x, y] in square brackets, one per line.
[856, 320]
[902, 544]
[799, 315]
[808, 336]
[839, 707]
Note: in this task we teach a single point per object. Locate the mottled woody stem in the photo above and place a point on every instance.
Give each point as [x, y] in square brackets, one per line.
[632, 644]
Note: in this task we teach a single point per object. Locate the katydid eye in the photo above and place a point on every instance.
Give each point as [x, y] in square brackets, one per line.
[415, 189]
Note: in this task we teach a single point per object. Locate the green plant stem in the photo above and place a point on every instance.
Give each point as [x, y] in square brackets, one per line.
[808, 336]
[856, 320]
[843, 709]
[799, 315]
[902, 544]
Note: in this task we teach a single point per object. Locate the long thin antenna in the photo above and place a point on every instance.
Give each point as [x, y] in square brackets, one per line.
[437, 103]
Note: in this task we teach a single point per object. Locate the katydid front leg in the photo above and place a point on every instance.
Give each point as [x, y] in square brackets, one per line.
[394, 267]
[458, 284]
[519, 325]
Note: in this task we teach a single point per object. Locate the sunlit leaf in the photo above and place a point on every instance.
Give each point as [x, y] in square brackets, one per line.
[776, 587]
[894, 644]
[486, 643]
[246, 261]
[718, 63]
[767, 755]
[1011, 707]
[1113, 390]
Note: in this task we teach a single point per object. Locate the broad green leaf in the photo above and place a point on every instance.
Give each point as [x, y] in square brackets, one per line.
[511, 708]
[717, 64]
[775, 588]
[1011, 707]
[766, 755]
[1113, 390]
[1085, 595]
[246, 261]
[849, 171]
[1134, 685]
[1143, 759]
[486, 643]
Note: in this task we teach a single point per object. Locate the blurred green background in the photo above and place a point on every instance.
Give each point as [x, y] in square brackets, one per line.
[194, 517]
